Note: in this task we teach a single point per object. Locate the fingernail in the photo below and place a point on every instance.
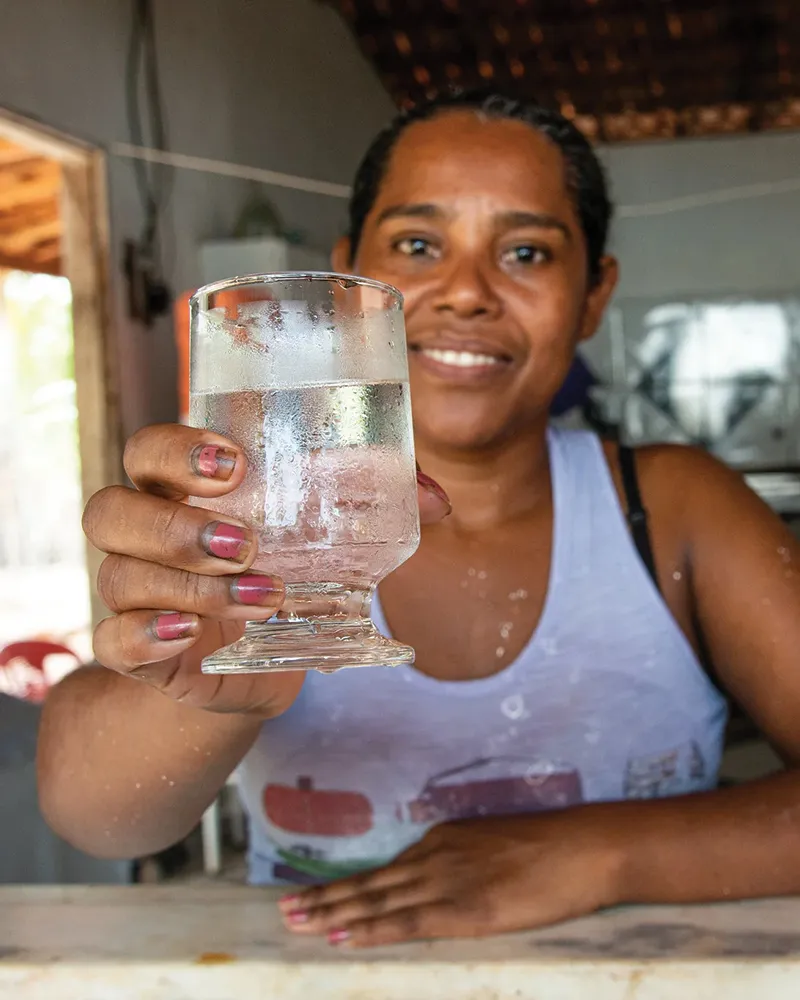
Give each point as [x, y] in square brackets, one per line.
[213, 462]
[338, 937]
[297, 917]
[255, 589]
[432, 487]
[287, 902]
[174, 626]
[226, 541]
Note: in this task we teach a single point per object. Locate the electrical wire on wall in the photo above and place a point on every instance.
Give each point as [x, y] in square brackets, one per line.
[149, 296]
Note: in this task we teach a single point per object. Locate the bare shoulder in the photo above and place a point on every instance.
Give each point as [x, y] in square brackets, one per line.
[691, 482]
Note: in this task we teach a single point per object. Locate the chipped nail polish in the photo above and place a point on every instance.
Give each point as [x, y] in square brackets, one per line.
[226, 541]
[173, 625]
[213, 462]
[254, 588]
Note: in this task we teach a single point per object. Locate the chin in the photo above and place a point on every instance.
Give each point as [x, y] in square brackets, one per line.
[449, 434]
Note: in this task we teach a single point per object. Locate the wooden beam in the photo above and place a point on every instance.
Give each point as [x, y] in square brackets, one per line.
[43, 139]
[85, 249]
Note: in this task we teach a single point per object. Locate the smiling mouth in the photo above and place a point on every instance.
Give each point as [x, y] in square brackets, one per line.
[461, 359]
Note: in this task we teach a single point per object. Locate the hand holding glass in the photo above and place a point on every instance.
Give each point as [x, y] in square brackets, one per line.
[308, 374]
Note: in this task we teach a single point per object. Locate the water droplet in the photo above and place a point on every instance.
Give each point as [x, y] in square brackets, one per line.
[677, 575]
[138, 784]
[482, 574]
[464, 584]
[471, 571]
[785, 554]
[505, 629]
[499, 652]
[513, 707]
[171, 784]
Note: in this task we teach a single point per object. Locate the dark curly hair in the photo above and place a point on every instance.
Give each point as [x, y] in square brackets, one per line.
[585, 176]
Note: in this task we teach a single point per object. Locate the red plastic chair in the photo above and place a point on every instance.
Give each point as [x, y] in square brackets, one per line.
[34, 652]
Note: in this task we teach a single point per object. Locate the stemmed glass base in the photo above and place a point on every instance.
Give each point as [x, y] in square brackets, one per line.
[305, 644]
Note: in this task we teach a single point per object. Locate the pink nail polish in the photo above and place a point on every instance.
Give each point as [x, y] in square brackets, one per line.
[287, 902]
[432, 487]
[213, 462]
[297, 917]
[173, 626]
[226, 541]
[338, 937]
[255, 589]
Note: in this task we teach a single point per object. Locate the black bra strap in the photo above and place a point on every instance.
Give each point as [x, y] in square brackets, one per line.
[636, 513]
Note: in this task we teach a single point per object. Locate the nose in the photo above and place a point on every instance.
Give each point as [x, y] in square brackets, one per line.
[466, 292]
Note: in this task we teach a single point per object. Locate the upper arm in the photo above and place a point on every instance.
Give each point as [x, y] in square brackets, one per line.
[744, 575]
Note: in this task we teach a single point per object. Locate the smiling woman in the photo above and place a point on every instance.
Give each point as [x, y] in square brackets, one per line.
[555, 748]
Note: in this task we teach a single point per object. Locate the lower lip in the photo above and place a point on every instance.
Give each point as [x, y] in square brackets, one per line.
[457, 373]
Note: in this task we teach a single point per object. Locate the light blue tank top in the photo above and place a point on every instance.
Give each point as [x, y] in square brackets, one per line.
[606, 702]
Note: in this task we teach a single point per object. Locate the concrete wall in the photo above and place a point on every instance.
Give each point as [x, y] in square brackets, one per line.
[271, 84]
[745, 246]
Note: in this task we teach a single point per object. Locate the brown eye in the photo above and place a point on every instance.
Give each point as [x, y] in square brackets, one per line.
[416, 246]
[525, 253]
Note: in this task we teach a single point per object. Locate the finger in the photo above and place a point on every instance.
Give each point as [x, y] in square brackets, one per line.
[363, 908]
[127, 584]
[175, 461]
[136, 639]
[416, 923]
[434, 504]
[373, 881]
[122, 521]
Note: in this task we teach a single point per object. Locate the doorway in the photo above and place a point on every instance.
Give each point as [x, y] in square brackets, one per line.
[59, 421]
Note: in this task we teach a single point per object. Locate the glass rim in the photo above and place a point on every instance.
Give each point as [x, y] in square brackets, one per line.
[278, 277]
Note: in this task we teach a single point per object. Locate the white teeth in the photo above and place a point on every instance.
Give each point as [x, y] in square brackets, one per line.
[461, 359]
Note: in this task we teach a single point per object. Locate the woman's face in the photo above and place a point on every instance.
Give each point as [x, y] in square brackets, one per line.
[474, 224]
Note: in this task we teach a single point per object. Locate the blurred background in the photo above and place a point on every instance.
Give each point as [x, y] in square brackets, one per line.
[149, 146]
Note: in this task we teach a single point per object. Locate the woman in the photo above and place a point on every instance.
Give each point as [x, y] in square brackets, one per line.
[535, 765]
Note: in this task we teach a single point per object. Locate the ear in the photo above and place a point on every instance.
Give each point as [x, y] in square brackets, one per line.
[599, 296]
[340, 256]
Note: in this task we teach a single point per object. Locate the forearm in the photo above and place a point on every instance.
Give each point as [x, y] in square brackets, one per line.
[125, 771]
[735, 843]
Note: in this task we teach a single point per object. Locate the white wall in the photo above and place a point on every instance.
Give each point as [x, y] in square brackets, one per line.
[746, 246]
[269, 83]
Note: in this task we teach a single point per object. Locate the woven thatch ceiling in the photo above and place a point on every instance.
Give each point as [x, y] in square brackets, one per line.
[30, 216]
[623, 68]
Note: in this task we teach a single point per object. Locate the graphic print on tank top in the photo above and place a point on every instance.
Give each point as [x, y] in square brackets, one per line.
[492, 786]
[606, 702]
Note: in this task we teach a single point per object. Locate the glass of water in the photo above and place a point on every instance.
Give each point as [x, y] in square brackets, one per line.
[308, 374]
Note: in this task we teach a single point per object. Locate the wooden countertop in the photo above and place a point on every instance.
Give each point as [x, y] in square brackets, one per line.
[226, 943]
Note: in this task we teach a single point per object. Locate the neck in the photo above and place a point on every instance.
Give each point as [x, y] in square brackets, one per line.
[490, 487]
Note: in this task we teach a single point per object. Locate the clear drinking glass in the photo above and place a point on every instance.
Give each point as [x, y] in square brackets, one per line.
[308, 374]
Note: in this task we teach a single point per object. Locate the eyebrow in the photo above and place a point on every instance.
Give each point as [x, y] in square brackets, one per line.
[539, 220]
[420, 211]
[506, 220]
